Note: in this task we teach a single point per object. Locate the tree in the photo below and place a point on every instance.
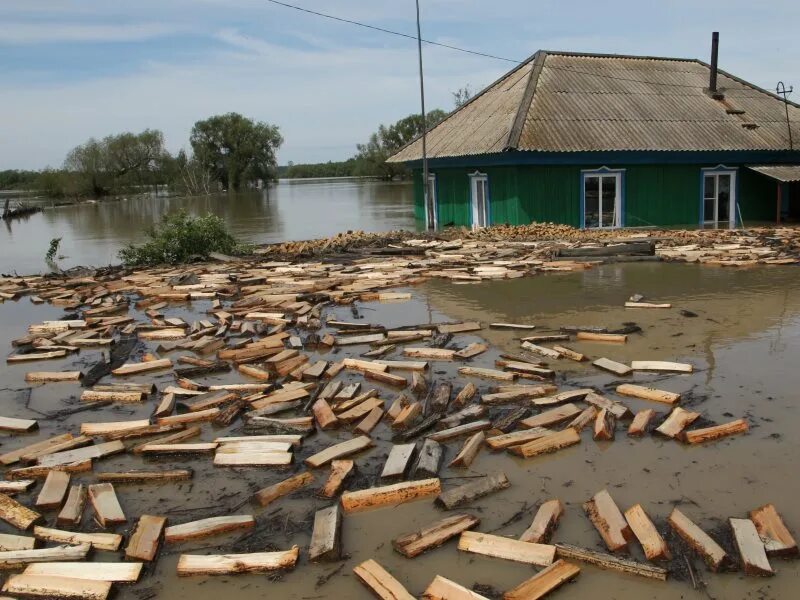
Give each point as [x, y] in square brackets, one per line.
[235, 149]
[462, 95]
[88, 163]
[371, 157]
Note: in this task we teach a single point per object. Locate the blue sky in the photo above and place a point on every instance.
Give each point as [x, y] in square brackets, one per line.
[73, 69]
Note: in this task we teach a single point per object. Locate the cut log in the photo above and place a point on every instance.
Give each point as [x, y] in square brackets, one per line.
[772, 531]
[283, 488]
[57, 587]
[440, 399]
[106, 505]
[612, 366]
[654, 546]
[608, 520]
[429, 459]
[233, 564]
[544, 582]
[551, 417]
[326, 537]
[708, 434]
[198, 448]
[340, 471]
[99, 571]
[464, 494]
[676, 422]
[389, 495]
[442, 588]
[100, 541]
[53, 491]
[638, 426]
[661, 366]
[608, 561]
[380, 582]
[500, 547]
[752, 554]
[340, 450]
[604, 425]
[17, 558]
[143, 543]
[646, 393]
[589, 336]
[14, 513]
[72, 511]
[433, 535]
[547, 444]
[698, 540]
[515, 438]
[190, 417]
[399, 461]
[17, 425]
[207, 527]
[544, 523]
[468, 451]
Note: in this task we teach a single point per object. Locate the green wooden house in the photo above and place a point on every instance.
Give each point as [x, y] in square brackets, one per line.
[594, 140]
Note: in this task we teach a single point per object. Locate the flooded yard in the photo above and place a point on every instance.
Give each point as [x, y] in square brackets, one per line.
[739, 328]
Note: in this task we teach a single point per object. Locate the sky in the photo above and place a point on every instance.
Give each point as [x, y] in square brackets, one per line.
[75, 69]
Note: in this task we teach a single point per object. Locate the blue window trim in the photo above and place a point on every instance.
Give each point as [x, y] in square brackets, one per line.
[602, 171]
[488, 197]
[720, 168]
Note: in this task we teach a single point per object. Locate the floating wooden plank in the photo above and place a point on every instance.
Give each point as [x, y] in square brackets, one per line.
[547, 444]
[551, 417]
[72, 511]
[404, 365]
[36, 449]
[509, 549]
[515, 438]
[541, 350]
[386, 378]
[145, 476]
[654, 546]
[254, 372]
[97, 429]
[646, 393]
[190, 417]
[589, 336]
[676, 422]
[232, 564]
[619, 410]
[380, 582]
[641, 420]
[197, 448]
[604, 425]
[433, 535]
[752, 555]
[100, 571]
[466, 394]
[442, 588]
[252, 459]
[544, 582]
[15, 487]
[355, 340]
[698, 540]
[609, 561]
[471, 351]
[407, 415]
[525, 392]
[207, 527]
[86, 453]
[772, 531]
[14, 513]
[364, 366]
[32, 356]
[101, 541]
[487, 373]
[143, 543]
[57, 587]
[608, 520]
[53, 491]
[661, 366]
[15, 558]
[115, 396]
[326, 536]
[460, 430]
[430, 353]
[429, 459]
[459, 327]
[468, 451]
[708, 434]
[271, 493]
[464, 494]
[143, 367]
[325, 417]
[612, 366]
[544, 523]
[106, 505]
[647, 305]
[389, 495]
[510, 326]
[17, 425]
[340, 471]
[10, 542]
[340, 450]
[369, 422]
[52, 376]
[398, 462]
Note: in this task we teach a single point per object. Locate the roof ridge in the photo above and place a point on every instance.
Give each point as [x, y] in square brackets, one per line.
[611, 55]
[524, 107]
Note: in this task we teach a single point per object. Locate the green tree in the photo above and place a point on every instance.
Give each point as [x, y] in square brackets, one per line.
[235, 149]
[371, 157]
[462, 95]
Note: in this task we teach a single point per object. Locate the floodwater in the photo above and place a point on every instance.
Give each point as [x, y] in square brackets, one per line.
[93, 233]
[743, 343]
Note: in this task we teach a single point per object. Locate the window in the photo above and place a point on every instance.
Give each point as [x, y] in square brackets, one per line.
[431, 205]
[719, 197]
[479, 199]
[602, 199]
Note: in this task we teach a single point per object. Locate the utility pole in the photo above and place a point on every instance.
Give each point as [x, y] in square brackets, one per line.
[429, 208]
[781, 89]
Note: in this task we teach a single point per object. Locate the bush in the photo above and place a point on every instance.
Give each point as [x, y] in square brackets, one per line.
[180, 238]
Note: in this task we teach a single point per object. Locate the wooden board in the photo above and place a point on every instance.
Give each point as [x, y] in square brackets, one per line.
[608, 520]
[544, 523]
[468, 451]
[589, 336]
[708, 434]
[546, 444]
[145, 476]
[380, 582]
[282, 488]
[14, 513]
[101, 541]
[52, 376]
[551, 417]
[654, 546]
[544, 582]
[389, 495]
[647, 393]
[773, 532]
[97, 429]
[17, 425]
[676, 422]
[752, 554]
[207, 527]
[399, 461]
[57, 587]
[609, 561]
[641, 420]
[53, 491]
[661, 366]
[468, 492]
[429, 459]
[72, 511]
[487, 373]
[106, 505]
[340, 450]
[37, 448]
[17, 558]
[16, 542]
[612, 366]
[506, 548]
[433, 535]
[326, 536]
[698, 540]
[232, 564]
[452, 433]
[252, 459]
[340, 471]
[123, 572]
[515, 438]
[386, 378]
[442, 588]
[143, 543]
[143, 367]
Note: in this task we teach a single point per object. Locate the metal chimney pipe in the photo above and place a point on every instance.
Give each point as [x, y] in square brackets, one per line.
[712, 84]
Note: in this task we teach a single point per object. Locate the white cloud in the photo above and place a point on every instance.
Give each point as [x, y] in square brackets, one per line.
[51, 33]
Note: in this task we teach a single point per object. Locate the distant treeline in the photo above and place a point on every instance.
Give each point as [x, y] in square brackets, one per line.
[346, 168]
[14, 179]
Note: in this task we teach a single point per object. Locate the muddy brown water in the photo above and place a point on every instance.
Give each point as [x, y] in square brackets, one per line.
[743, 343]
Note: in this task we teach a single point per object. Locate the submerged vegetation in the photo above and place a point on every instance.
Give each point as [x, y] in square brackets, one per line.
[181, 238]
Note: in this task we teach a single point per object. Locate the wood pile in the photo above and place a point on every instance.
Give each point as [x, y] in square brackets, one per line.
[270, 326]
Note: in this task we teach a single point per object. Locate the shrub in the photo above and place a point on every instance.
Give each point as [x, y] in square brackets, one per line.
[180, 238]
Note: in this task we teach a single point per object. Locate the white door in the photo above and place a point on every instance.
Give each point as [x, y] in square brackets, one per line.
[431, 216]
[479, 185]
[719, 199]
[602, 200]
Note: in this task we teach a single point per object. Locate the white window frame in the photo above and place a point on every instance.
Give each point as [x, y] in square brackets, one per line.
[600, 174]
[475, 179]
[715, 173]
[432, 199]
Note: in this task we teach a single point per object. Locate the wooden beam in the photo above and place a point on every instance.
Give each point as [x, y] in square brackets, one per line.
[143, 543]
[608, 520]
[233, 564]
[609, 561]
[509, 549]
[433, 535]
[544, 582]
[380, 582]
[752, 554]
[207, 527]
[654, 546]
[772, 531]
[698, 540]
[544, 523]
[389, 495]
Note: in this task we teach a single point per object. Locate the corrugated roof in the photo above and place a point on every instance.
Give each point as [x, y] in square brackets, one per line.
[785, 173]
[593, 102]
